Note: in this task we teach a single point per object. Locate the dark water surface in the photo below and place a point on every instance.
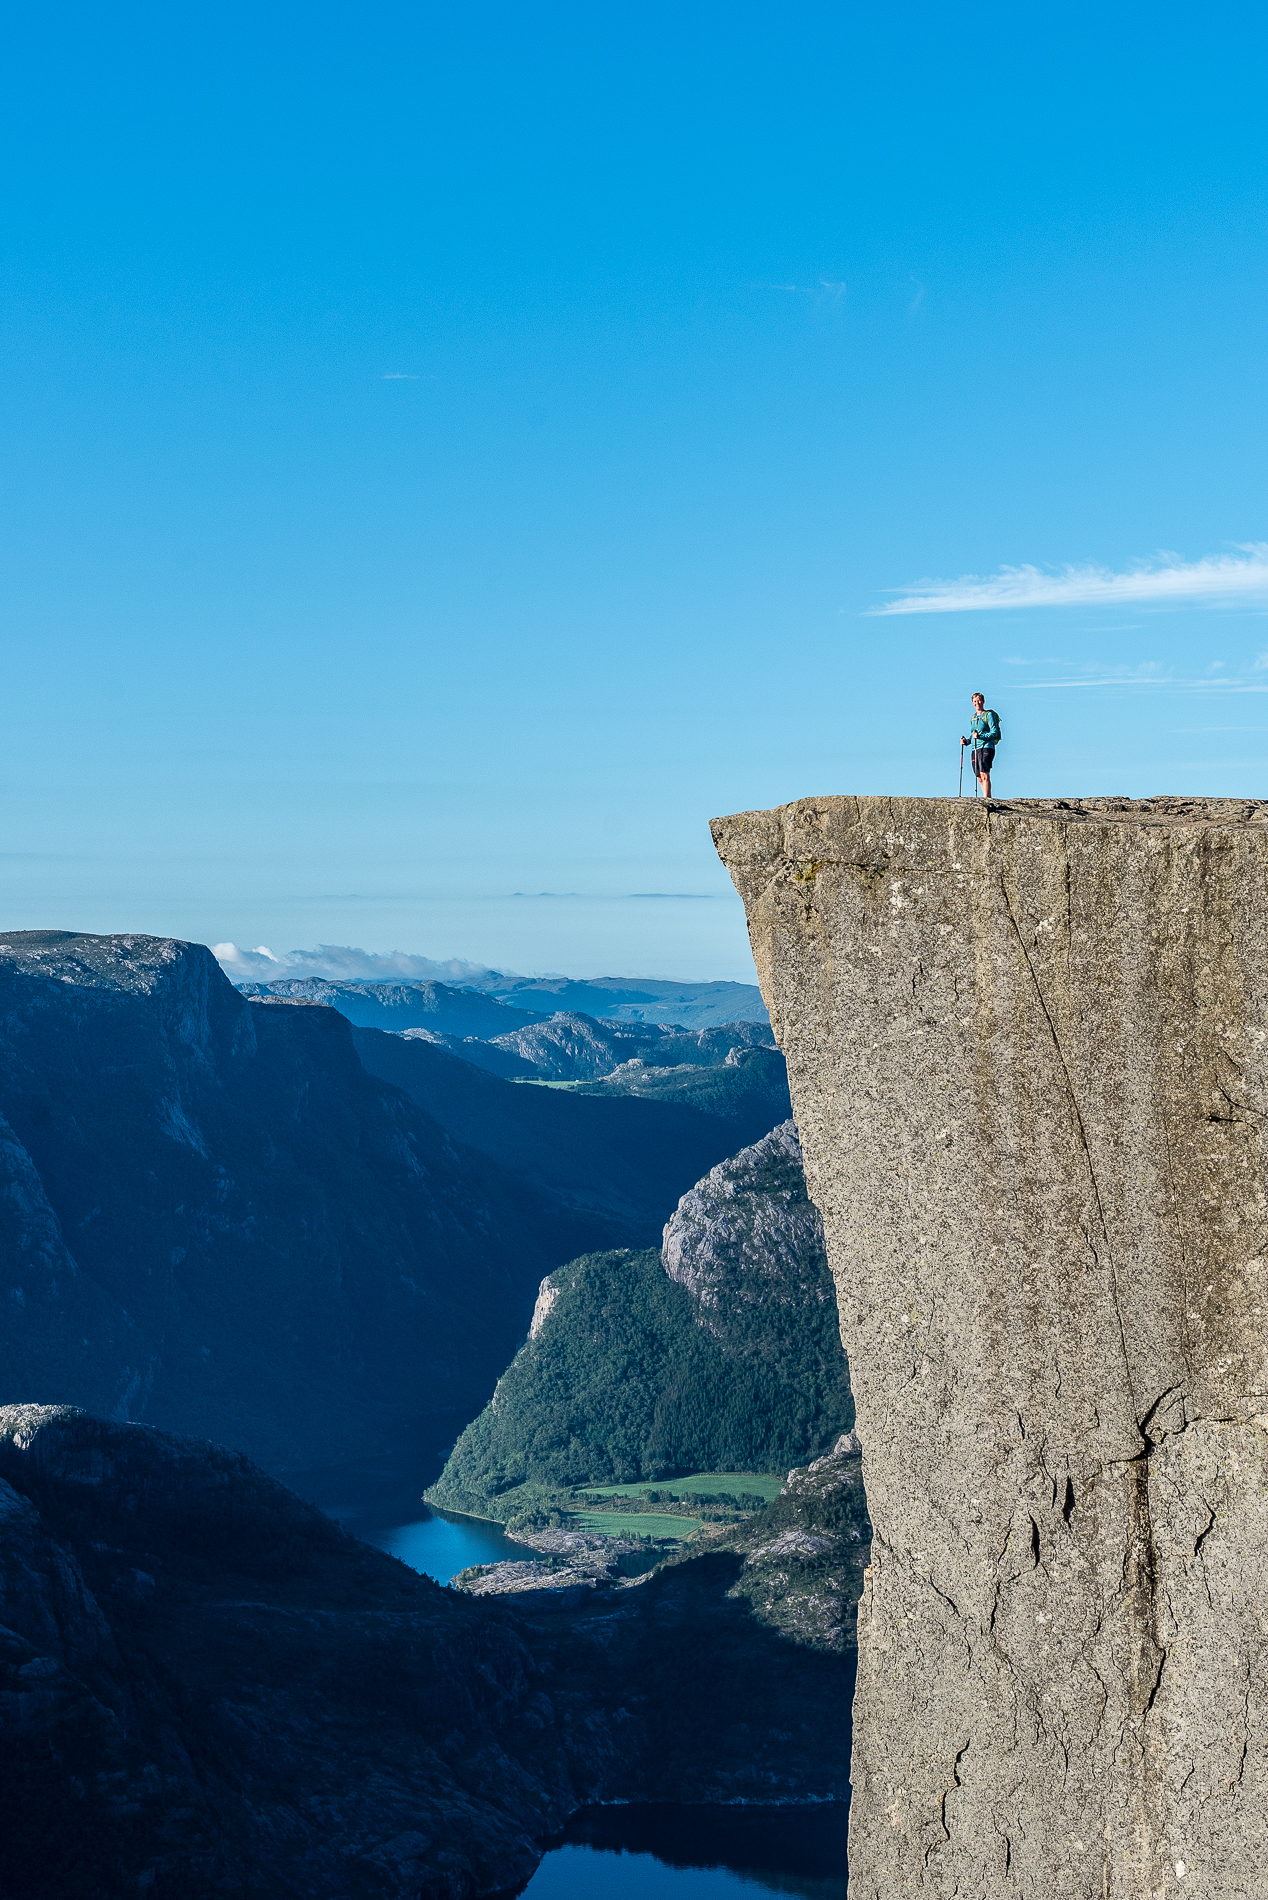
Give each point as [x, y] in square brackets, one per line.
[653, 1852]
[696, 1853]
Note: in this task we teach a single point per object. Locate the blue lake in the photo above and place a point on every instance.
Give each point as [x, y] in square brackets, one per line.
[696, 1853]
[440, 1546]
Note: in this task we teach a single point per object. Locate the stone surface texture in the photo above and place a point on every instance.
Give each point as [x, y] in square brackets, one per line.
[749, 1235]
[1028, 1053]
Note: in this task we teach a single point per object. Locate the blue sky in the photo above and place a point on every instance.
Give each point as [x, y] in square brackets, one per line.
[451, 453]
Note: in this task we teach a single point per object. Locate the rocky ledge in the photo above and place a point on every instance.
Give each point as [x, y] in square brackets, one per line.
[572, 1564]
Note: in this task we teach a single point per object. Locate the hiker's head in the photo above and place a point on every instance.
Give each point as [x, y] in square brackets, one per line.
[979, 702]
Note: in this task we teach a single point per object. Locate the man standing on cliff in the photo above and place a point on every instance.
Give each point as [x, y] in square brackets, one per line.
[984, 728]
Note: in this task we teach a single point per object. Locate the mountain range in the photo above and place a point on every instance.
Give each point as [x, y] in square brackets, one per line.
[249, 1219]
[621, 998]
[215, 1216]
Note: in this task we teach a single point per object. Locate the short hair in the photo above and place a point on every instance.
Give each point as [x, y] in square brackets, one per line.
[981, 696]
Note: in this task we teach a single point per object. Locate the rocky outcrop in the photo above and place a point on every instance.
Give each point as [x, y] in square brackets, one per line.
[804, 1555]
[571, 1047]
[749, 1235]
[1028, 1054]
[570, 1567]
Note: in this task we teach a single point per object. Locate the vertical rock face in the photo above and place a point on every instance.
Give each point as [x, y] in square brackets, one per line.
[1028, 1052]
[748, 1235]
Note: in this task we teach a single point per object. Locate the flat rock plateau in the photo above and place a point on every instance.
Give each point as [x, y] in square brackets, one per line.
[1027, 1045]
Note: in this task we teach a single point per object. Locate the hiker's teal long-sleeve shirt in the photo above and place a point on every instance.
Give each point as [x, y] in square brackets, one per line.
[984, 727]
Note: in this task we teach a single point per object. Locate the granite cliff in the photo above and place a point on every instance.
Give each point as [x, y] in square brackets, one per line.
[1028, 1054]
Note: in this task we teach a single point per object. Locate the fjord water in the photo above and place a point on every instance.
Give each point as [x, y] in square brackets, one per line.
[440, 1545]
[668, 1852]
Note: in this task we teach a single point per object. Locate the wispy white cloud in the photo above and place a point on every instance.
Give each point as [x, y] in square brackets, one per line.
[826, 287]
[399, 376]
[1168, 581]
[1220, 683]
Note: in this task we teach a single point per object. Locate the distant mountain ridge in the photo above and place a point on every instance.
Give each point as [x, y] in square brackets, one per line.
[637, 999]
[440, 1007]
[618, 998]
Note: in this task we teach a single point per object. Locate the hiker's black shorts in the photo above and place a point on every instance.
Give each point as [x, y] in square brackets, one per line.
[983, 758]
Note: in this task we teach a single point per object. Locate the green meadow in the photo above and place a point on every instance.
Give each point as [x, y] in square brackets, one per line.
[709, 1484]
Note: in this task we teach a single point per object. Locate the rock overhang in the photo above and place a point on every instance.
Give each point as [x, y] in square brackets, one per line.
[1026, 1052]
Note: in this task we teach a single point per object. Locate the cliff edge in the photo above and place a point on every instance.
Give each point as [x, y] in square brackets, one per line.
[1027, 1045]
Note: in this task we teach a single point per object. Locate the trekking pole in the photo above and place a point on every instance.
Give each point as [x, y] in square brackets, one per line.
[960, 793]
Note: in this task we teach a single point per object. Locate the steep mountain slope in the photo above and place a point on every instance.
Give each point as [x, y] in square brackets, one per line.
[485, 1055]
[211, 1689]
[210, 1692]
[620, 1164]
[444, 1007]
[721, 1354]
[215, 1219]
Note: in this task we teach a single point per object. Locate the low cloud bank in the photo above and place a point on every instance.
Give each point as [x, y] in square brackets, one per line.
[341, 963]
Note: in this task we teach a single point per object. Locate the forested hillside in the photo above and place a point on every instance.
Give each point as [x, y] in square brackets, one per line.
[719, 1353]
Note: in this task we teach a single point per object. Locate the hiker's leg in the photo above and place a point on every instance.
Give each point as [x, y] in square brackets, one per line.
[986, 785]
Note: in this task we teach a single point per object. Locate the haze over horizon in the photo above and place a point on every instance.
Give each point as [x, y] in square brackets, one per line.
[348, 963]
[449, 457]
